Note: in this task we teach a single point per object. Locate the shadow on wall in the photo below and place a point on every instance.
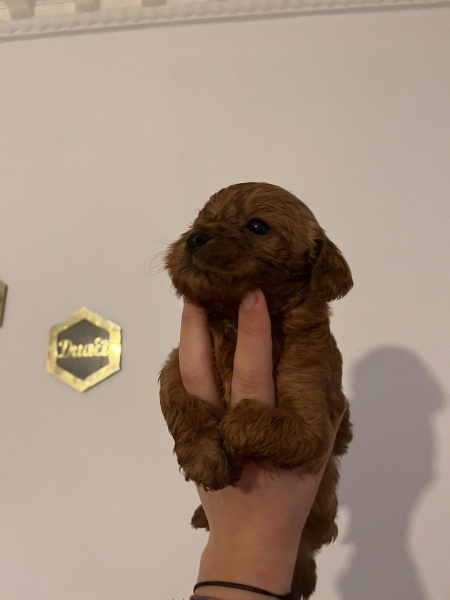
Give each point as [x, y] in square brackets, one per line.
[390, 462]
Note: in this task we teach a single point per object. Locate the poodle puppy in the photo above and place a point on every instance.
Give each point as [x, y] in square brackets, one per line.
[248, 236]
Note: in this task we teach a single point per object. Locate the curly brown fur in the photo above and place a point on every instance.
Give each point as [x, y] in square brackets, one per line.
[300, 270]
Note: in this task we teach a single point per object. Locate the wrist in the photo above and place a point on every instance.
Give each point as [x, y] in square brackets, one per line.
[213, 592]
[260, 565]
[254, 591]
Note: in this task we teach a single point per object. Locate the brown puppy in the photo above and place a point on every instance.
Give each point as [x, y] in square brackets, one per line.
[256, 235]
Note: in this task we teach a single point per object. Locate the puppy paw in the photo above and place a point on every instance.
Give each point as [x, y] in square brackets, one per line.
[199, 520]
[274, 437]
[206, 464]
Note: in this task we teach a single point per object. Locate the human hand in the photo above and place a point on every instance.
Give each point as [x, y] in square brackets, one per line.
[255, 526]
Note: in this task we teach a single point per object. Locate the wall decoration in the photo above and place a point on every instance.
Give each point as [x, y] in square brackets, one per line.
[19, 18]
[84, 349]
[3, 290]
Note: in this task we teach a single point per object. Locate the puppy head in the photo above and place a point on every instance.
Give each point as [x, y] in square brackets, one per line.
[256, 235]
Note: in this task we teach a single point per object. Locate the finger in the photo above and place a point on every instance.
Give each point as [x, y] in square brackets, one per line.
[195, 355]
[252, 371]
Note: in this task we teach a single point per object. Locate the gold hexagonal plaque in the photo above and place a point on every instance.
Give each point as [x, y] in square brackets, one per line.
[84, 349]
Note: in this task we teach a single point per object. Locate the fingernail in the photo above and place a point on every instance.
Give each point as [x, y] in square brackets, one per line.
[249, 300]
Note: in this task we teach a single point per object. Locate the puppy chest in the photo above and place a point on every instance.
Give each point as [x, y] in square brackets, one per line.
[224, 344]
[224, 338]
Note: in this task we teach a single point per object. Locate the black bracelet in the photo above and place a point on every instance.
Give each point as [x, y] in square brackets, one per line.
[245, 588]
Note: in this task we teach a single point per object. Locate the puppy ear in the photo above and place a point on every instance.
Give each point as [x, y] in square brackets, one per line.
[331, 277]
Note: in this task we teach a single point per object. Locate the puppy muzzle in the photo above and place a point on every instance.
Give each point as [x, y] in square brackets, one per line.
[196, 240]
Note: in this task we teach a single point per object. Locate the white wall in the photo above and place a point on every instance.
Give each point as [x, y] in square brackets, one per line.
[109, 143]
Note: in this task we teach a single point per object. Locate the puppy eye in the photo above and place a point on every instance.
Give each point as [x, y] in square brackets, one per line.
[258, 226]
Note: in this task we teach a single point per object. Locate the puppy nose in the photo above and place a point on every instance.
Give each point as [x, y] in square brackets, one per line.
[195, 240]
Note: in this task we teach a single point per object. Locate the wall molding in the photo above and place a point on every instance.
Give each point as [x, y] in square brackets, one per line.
[22, 18]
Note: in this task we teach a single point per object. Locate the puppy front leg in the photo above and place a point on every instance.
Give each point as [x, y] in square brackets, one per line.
[195, 428]
[280, 437]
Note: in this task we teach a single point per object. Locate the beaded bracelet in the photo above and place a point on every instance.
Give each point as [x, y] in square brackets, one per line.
[203, 598]
[194, 597]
